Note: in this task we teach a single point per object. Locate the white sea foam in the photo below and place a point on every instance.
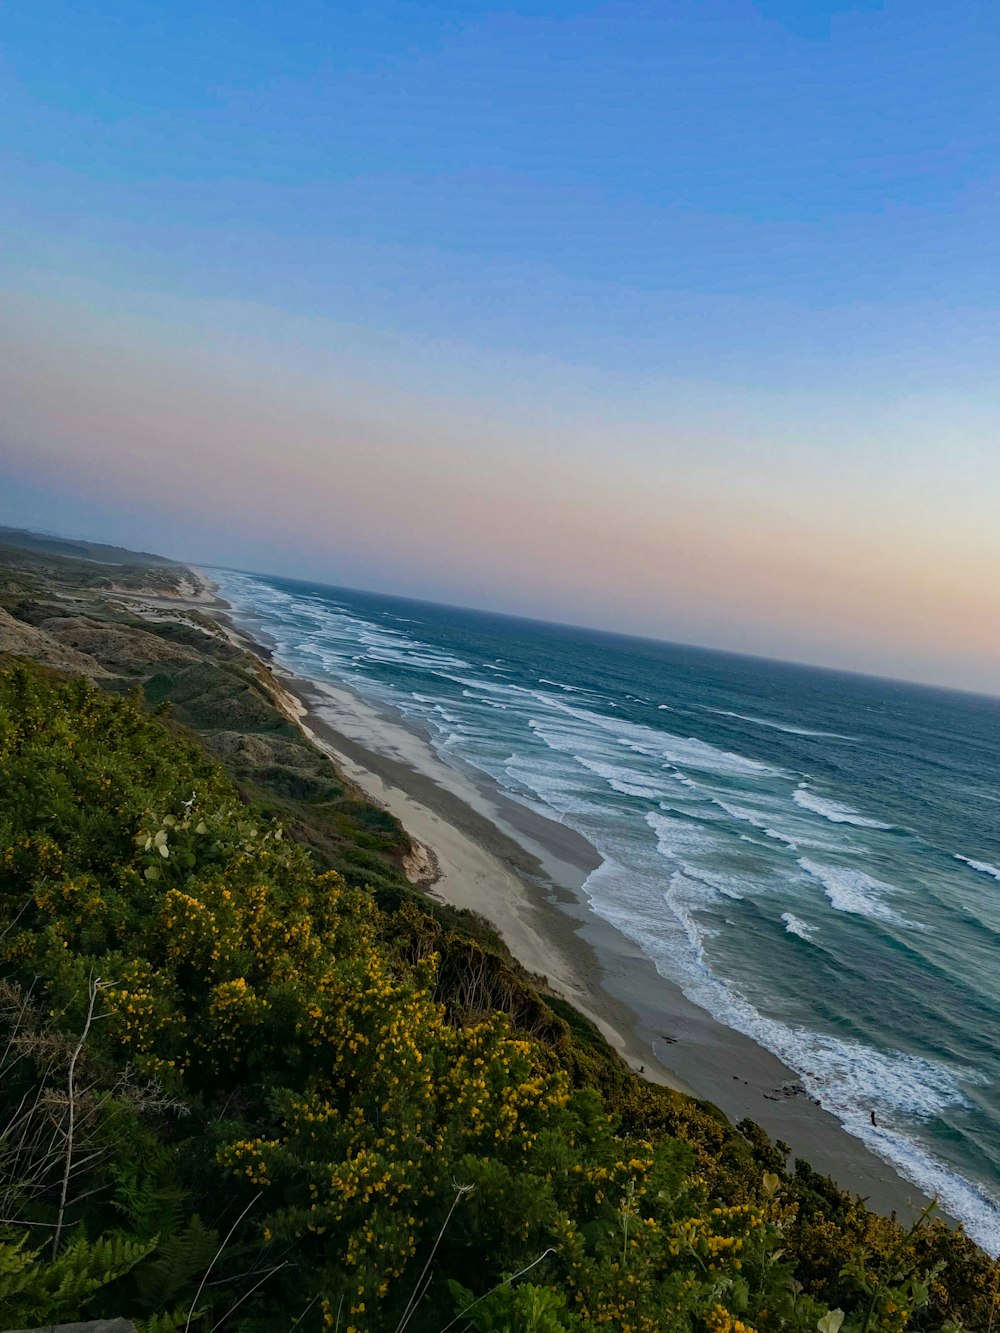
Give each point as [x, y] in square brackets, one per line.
[489, 686]
[690, 752]
[681, 839]
[772, 818]
[600, 750]
[624, 780]
[756, 819]
[836, 813]
[569, 689]
[795, 926]
[983, 867]
[729, 885]
[435, 704]
[554, 785]
[779, 726]
[853, 891]
[408, 655]
[688, 846]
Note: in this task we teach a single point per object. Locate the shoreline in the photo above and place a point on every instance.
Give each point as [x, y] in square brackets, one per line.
[524, 873]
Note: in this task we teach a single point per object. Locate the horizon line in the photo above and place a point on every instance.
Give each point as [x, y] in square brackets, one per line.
[614, 633]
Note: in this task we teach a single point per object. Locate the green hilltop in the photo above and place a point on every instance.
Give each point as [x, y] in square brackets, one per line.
[41, 543]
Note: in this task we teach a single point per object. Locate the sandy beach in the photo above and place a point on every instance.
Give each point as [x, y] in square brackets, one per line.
[479, 850]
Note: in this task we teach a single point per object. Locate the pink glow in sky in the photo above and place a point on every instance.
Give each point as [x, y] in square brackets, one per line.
[677, 319]
[701, 513]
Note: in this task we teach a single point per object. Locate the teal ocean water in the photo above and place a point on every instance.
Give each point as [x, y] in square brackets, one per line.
[814, 857]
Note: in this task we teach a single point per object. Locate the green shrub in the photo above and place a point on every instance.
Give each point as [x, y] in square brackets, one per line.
[297, 1106]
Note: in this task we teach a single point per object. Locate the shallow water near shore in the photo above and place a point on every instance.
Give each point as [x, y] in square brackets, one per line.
[813, 857]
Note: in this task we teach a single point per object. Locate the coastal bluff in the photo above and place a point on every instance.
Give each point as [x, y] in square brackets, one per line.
[303, 1091]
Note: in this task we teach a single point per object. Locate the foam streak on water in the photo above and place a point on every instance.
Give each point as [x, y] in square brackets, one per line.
[834, 811]
[852, 890]
[782, 843]
[983, 867]
[795, 926]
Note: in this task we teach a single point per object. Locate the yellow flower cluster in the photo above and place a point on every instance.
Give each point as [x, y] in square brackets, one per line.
[722, 1233]
[719, 1320]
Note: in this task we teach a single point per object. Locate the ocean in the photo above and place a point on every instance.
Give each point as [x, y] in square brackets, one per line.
[812, 856]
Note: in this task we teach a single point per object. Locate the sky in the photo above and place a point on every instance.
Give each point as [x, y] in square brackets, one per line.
[676, 318]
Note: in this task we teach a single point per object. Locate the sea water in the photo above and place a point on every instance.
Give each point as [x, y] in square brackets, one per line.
[813, 856]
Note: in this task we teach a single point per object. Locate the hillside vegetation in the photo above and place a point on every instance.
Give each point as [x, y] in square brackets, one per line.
[251, 1079]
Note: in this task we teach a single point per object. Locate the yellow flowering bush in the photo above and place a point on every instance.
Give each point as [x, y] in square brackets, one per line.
[307, 1118]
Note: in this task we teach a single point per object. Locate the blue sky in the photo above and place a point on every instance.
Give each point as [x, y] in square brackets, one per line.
[813, 156]
[671, 237]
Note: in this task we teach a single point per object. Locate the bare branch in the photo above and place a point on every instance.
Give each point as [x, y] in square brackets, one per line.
[94, 990]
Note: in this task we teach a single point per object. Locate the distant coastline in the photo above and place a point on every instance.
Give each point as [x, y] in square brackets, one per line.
[488, 854]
